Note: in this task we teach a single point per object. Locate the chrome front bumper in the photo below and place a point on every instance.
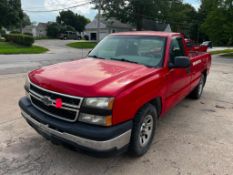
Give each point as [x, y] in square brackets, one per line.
[115, 143]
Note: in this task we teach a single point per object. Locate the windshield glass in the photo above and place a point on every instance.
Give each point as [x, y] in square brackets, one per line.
[146, 50]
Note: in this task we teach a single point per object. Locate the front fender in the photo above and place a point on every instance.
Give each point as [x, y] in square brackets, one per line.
[129, 101]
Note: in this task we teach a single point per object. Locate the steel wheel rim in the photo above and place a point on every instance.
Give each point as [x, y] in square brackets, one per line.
[146, 130]
[200, 88]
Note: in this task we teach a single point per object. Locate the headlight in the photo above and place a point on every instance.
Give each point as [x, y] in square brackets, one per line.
[27, 84]
[101, 102]
[95, 119]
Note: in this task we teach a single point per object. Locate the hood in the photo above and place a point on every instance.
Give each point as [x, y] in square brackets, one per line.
[89, 77]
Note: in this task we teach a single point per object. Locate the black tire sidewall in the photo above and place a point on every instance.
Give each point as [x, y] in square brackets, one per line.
[203, 83]
[135, 148]
[195, 93]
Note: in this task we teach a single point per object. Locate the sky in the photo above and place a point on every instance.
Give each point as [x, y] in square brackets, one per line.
[86, 10]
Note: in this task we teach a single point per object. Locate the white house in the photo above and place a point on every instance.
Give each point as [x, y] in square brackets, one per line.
[112, 25]
[156, 26]
[107, 26]
[39, 30]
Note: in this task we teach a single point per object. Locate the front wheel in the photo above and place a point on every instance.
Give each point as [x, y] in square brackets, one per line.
[197, 92]
[143, 130]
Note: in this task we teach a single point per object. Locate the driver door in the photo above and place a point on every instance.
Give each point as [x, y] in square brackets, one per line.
[178, 79]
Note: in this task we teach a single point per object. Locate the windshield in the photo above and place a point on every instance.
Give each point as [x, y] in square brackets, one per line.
[146, 50]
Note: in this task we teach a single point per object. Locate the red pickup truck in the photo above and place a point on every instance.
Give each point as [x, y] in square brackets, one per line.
[111, 100]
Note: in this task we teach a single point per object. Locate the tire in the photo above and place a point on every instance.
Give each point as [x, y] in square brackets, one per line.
[197, 92]
[143, 130]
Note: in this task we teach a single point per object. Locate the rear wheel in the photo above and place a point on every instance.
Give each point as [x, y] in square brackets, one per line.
[197, 92]
[143, 130]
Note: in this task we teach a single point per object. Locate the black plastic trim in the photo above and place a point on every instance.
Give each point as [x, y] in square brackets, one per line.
[95, 111]
[97, 133]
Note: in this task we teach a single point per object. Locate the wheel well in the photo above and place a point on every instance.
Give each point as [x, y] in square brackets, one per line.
[157, 103]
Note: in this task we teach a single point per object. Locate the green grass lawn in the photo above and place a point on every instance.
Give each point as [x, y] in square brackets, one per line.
[83, 45]
[226, 51]
[11, 48]
[228, 55]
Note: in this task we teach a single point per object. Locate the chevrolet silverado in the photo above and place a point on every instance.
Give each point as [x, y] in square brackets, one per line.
[112, 99]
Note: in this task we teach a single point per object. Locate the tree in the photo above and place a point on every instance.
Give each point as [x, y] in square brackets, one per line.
[183, 18]
[217, 21]
[25, 20]
[69, 18]
[10, 13]
[179, 15]
[134, 11]
[53, 30]
[206, 7]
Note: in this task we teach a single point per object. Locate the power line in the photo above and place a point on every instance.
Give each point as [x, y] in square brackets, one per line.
[41, 8]
[55, 10]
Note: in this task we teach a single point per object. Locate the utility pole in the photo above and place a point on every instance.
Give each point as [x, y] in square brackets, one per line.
[98, 23]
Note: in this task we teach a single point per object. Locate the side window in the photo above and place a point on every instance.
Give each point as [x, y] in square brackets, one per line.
[176, 49]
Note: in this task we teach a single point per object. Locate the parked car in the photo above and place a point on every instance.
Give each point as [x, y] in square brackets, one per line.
[111, 100]
[209, 44]
[69, 35]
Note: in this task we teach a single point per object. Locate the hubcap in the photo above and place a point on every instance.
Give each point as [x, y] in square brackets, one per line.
[146, 130]
[200, 88]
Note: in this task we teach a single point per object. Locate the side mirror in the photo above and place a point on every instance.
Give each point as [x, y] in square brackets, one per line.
[180, 62]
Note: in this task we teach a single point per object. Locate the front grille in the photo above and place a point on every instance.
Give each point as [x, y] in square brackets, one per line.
[70, 104]
[65, 98]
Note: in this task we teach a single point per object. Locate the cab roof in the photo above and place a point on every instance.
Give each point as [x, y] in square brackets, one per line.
[147, 33]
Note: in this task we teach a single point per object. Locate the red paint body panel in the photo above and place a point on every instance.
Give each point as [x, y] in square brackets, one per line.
[195, 48]
[132, 85]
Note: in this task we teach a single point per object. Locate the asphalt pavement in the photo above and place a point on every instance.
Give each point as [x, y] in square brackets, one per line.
[58, 52]
[194, 138]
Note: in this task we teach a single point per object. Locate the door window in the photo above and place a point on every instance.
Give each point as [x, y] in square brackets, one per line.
[176, 49]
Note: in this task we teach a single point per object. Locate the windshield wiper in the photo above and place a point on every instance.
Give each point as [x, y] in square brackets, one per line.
[125, 60]
[95, 56]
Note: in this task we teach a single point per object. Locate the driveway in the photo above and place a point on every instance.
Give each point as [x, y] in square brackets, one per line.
[58, 52]
[194, 138]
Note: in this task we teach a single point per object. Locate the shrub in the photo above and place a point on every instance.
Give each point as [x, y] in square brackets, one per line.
[2, 39]
[53, 30]
[86, 37]
[15, 32]
[20, 39]
[29, 34]
[2, 32]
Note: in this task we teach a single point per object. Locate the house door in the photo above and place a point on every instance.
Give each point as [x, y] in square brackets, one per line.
[93, 36]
